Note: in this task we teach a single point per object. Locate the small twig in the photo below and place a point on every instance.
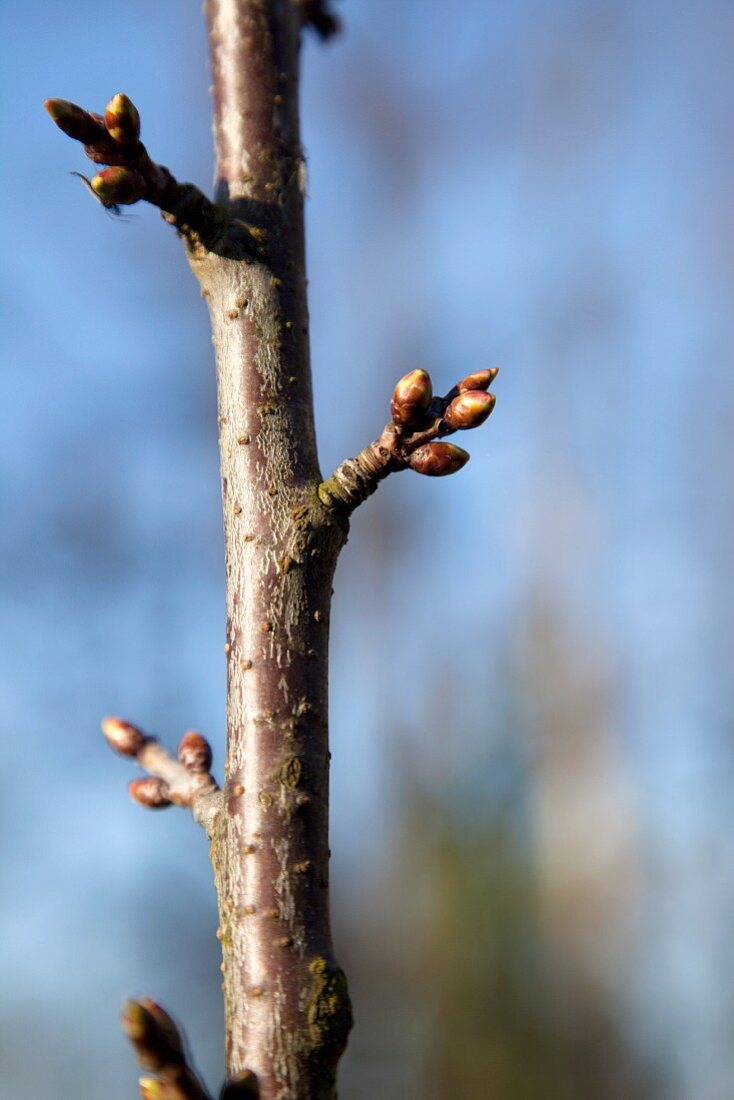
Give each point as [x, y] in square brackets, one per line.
[114, 140]
[183, 782]
[411, 439]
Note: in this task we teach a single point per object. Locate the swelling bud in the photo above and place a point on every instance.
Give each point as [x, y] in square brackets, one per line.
[118, 186]
[411, 398]
[480, 380]
[438, 459]
[167, 1032]
[195, 752]
[469, 410]
[122, 120]
[150, 792]
[75, 121]
[123, 736]
[151, 1039]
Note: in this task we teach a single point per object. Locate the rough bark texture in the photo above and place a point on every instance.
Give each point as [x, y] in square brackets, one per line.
[287, 1009]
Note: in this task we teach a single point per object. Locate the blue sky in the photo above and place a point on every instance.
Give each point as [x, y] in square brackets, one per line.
[546, 186]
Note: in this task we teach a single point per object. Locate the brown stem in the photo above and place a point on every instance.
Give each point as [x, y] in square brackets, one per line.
[287, 1010]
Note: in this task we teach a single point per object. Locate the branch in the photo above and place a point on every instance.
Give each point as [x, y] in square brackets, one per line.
[114, 139]
[183, 782]
[411, 439]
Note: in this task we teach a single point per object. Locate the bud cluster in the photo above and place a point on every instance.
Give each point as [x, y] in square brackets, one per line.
[419, 420]
[112, 139]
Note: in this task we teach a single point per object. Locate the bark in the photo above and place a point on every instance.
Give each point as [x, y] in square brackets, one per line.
[286, 1004]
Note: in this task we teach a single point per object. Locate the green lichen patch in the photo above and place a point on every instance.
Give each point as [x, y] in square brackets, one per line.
[328, 1010]
[291, 771]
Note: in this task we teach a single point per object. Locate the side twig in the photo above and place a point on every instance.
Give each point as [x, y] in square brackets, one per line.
[186, 781]
[114, 139]
[411, 439]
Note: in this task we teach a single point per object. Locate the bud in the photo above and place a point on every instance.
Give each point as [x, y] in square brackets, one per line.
[481, 380]
[411, 398]
[153, 1089]
[195, 752]
[122, 120]
[151, 1038]
[123, 736]
[75, 121]
[167, 1028]
[469, 409]
[150, 792]
[438, 459]
[243, 1087]
[119, 186]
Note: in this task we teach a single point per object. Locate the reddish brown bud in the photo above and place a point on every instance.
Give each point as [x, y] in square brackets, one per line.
[123, 736]
[438, 459]
[411, 398]
[75, 121]
[469, 409]
[119, 186]
[168, 1033]
[122, 120]
[150, 792]
[481, 380]
[195, 752]
[243, 1087]
[153, 1034]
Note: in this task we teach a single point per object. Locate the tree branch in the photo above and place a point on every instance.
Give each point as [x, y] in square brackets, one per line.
[114, 139]
[183, 782]
[409, 441]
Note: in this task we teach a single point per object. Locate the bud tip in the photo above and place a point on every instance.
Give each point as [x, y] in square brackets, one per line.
[123, 736]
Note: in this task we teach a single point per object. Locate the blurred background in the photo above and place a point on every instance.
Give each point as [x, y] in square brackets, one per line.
[532, 695]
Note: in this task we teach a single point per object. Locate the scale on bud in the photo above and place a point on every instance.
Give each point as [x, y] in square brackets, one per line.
[438, 459]
[469, 409]
[123, 736]
[75, 121]
[111, 207]
[480, 380]
[411, 398]
[194, 752]
[150, 792]
[122, 120]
